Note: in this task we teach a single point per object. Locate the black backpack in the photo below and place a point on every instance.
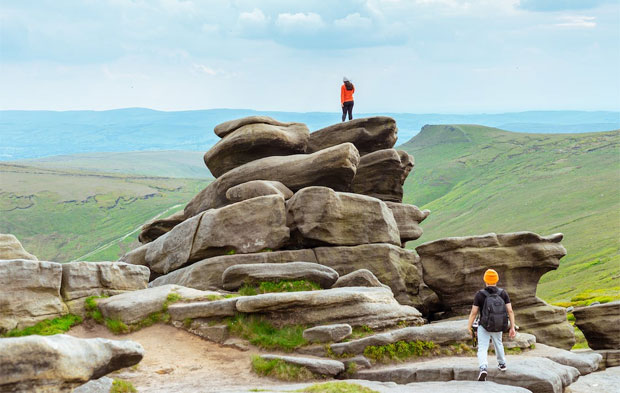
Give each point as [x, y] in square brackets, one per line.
[493, 315]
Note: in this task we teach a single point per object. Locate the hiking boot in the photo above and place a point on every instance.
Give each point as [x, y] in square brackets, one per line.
[502, 367]
[483, 375]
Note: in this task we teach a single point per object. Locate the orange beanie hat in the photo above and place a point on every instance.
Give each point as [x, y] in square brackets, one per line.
[491, 277]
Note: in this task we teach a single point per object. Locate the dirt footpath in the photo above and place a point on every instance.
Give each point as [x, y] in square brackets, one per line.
[177, 361]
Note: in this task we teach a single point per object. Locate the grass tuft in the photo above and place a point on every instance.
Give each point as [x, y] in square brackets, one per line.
[337, 387]
[121, 386]
[116, 326]
[399, 350]
[48, 327]
[263, 334]
[277, 368]
[280, 286]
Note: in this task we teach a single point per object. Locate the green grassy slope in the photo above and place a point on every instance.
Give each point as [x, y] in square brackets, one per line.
[62, 215]
[477, 180]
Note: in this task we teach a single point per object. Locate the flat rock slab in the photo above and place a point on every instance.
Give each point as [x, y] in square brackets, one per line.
[408, 218]
[255, 141]
[256, 188]
[606, 381]
[321, 216]
[11, 248]
[359, 278]
[334, 167]
[317, 366]
[83, 279]
[357, 306]
[132, 307]
[236, 276]
[381, 174]
[243, 227]
[29, 292]
[599, 324]
[328, 333]
[101, 385]
[203, 309]
[60, 363]
[367, 134]
[207, 274]
[227, 127]
[539, 375]
[585, 362]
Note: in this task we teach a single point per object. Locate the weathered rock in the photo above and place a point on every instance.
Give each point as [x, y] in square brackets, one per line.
[360, 361]
[373, 307]
[611, 357]
[207, 274]
[101, 385]
[381, 174]
[29, 292]
[317, 366]
[256, 188]
[83, 279]
[244, 227]
[60, 363]
[538, 375]
[600, 324]
[391, 264]
[359, 278]
[235, 276]
[155, 228]
[320, 216]
[586, 363]
[132, 307]
[334, 167]
[521, 340]
[204, 328]
[203, 309]
[454, 267]
[328, 333]
[230, 126]
[137, 256]
[367, 134]
[606, 381]
[11, 248]
[408, 219]
[255, 141]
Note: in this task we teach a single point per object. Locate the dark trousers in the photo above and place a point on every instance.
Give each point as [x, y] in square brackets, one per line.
[347, 107]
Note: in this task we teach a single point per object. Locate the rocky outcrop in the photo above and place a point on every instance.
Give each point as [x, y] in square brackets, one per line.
[321, 216]
[155, 228]
[606, 381]
[367, 134]
[29, 293]
[11, 248]
[454, 267]
[256, 188]
[359, 278]
[328, 333]
[381, 174]
[600, 324]
[408, 218]
[255, 141]
[207, 274]
[60, 363]
[223, 129]
[203, 309]
[334, 167]
[235, 276]
[83, 279]
[317, 366]
[357, 306]
[585, 362]
[244, 227]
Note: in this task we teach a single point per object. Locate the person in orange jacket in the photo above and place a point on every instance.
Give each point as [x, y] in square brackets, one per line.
[346, 98]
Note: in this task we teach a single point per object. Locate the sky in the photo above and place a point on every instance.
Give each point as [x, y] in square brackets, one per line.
[416, 56]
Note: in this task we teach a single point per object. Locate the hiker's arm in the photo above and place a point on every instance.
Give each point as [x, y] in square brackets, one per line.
[511, 316]
[472, 316]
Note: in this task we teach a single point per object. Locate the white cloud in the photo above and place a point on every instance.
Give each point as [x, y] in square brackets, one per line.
[299, 22]
[577, 21]
[205, 70]
[353, 21]
[255, 17]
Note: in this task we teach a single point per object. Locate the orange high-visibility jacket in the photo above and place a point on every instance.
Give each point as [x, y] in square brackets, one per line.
[346, 95]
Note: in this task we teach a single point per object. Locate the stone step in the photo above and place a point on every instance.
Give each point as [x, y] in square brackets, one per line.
[315, 365]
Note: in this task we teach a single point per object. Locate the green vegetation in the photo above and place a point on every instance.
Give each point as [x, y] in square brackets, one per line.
[277, 368]
[588, 297]
[580, 339]
[92, 310]
[263, 334]
[48, 327]
[64, 215]
[399, 350]
[116, 326]
[361, 331]
[280, 286]
[121, 386]
[337, 387]
[477, 180]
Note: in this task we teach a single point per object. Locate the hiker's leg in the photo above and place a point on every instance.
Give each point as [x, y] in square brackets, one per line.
[351, 111]
[483, 347]
[499, 347]
[344, 111]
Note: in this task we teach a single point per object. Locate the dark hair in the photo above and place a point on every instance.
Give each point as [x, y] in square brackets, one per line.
[348, 85]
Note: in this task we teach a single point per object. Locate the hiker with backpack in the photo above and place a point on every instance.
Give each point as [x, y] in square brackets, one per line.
[496, 313]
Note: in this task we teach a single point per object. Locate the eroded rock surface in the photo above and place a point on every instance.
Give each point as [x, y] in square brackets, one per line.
[60, 363]
[408, 219]
[11, 248]
[606, 381]
[359, 278]
[29, 293]
[381, 174]
[328, 333]
[600, 324]
[367, 134]
[235, 276]
[227, 127]
[256, 188]
[586, 362]
[155, 228]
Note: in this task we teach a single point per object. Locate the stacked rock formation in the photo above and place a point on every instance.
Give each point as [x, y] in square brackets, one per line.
[331, 197]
